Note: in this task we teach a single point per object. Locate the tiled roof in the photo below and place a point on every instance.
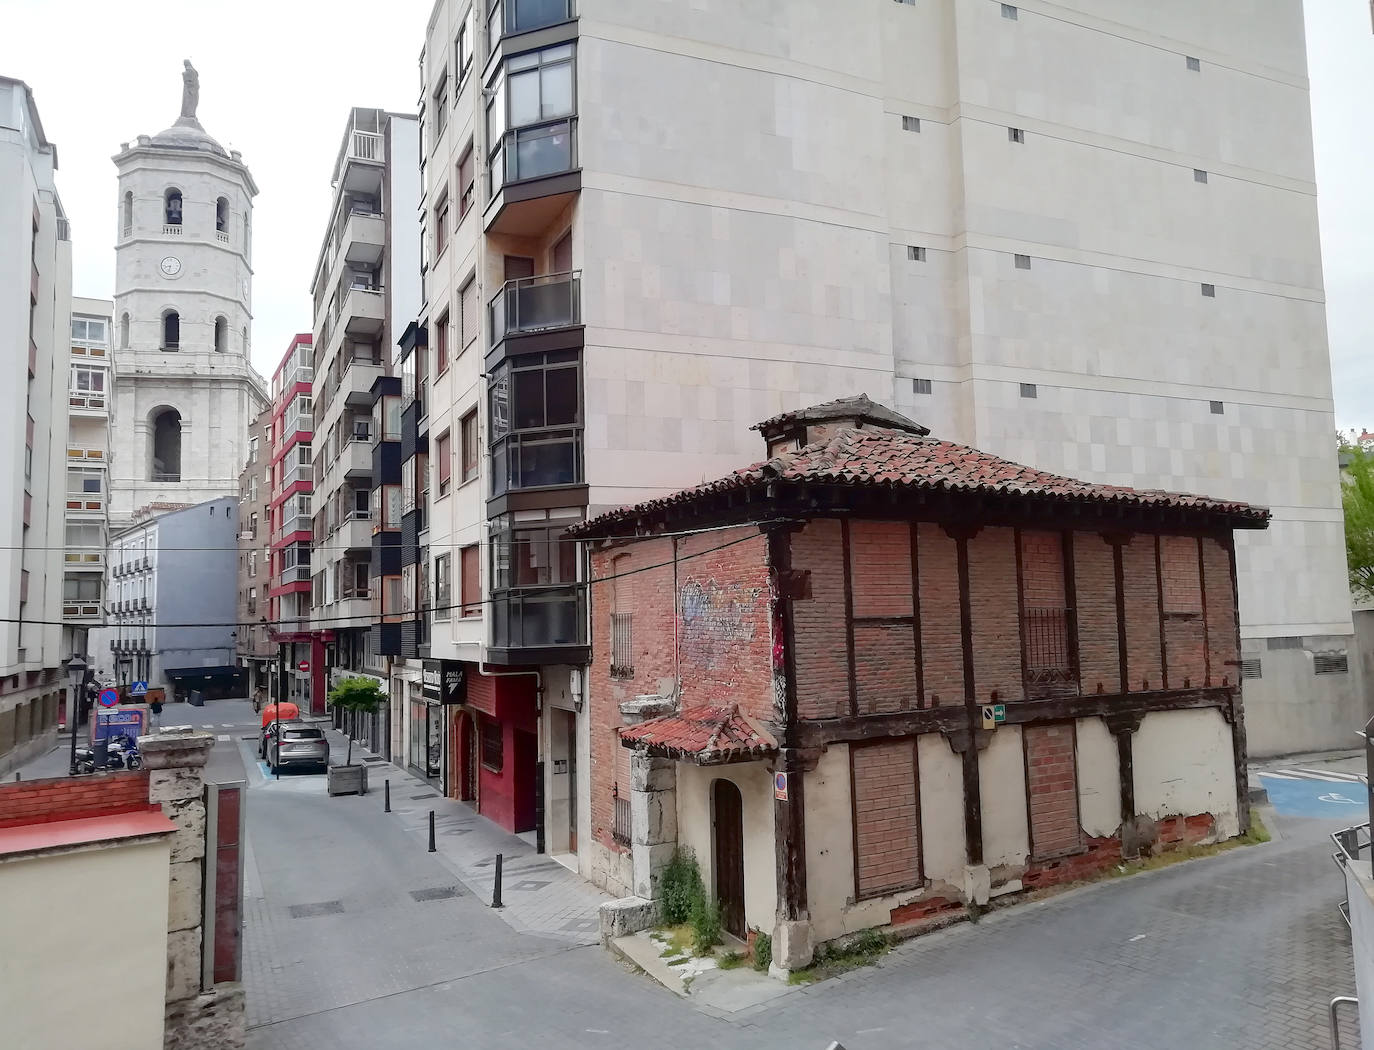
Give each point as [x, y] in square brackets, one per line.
[857, 407]
[877, 457]
[705, 735]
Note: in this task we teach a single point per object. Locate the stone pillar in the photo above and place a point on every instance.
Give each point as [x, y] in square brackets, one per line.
[653, 820]
[176, 761]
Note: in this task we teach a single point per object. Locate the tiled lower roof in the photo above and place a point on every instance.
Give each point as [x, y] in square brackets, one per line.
[875, 457]
[705, 735]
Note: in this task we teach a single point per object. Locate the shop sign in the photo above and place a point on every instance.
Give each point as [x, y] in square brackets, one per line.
[444, 681]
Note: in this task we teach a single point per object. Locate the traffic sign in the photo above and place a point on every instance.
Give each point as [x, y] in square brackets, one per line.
[780, 786]
[109, 697]
[304, 665]
[994, 715]
[138, 689]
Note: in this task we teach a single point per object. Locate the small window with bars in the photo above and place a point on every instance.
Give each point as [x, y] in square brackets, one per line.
[1022, 262]
[920, 386]
[1330, 663]
[1195, 65]
[915, 253]
[1199, 175]
[1251, 668]
[1209, 290]
[1016, 135]
[622, 645]
[1009, 11]
[1029, 390]
[911, 123]
[1218, 408]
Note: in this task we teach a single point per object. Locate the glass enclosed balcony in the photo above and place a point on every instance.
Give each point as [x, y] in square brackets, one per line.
[539, 616]
[531, 459]
[534, 304]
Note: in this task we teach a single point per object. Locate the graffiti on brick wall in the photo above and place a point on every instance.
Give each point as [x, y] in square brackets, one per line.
[719, 613]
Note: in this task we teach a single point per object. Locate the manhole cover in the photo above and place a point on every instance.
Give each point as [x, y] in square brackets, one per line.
[437, 893]
[309, 911]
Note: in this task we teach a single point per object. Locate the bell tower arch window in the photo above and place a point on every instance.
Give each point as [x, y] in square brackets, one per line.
[171, 207]
[165, 461]
[221, 335]
[127, 224]
[222, 215]
[171, 330]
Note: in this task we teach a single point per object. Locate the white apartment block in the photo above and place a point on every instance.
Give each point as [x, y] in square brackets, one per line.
[35, 335]
[88, 473]
[366, 291]
[1081, 235]
[185, 390]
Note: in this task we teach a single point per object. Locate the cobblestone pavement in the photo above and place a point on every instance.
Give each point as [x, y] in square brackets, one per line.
[345, 948]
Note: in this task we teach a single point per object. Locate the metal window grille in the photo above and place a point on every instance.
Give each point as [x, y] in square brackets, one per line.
[1251, 668]
[1008, 11]
[1199, 175]
[1023, 262]
[920, 386]
[620, 830]
[1330, 663]
[915, 253]
[1016, 135]
[911, 123]
[1193, 64]
[622, 645]
[1209, 290]
[1049, 659]
[1288, 641]
[1218, 408]
[1029, 390]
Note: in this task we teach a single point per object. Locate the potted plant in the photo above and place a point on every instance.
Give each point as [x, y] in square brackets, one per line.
[353, 694]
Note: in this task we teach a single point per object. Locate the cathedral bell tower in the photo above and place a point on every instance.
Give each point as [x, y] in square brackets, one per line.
[184, 388]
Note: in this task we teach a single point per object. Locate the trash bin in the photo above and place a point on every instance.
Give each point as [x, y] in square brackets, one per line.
[195, 699]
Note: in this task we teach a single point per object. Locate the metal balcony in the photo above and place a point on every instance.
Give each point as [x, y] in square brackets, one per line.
[536, 304]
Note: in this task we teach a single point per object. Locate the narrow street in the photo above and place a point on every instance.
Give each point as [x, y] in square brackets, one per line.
[358, 937]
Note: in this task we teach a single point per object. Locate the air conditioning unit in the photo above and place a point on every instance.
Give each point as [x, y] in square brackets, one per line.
[245, 535]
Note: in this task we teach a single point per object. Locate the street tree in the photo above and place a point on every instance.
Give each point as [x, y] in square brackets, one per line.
[363, 695]
[1357, 501]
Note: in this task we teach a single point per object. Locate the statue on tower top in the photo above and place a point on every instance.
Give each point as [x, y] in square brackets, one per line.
[190, 91]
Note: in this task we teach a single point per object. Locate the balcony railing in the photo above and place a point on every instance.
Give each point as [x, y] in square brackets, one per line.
[87, 402]
[533, 304]
[539, 616]
[534, 152]
[531, 459]
[170, 230]
[1049, 657]
[166, 475]
[364, 145]
[294, 574]
[520, 16]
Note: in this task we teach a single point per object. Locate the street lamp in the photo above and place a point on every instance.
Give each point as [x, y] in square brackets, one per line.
[76, 675]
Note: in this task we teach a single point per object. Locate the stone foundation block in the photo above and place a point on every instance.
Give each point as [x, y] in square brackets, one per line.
[213, 1021]
[627, 915]
[175, 785]
[652, 774]
[653, 817]
[977, 884]
[794, 946]
[184, 896]
[647, 863]
[188, 843]
[183, 965]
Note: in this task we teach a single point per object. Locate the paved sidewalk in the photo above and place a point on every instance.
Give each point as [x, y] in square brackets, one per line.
[540, 896]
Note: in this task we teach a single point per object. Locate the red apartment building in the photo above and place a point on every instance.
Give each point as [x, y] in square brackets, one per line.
[291, 483]
[880, 679]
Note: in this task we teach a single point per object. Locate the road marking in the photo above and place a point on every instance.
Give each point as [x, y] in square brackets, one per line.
[226, 725]
[222, 736]
[1333, 797]
[1314, 774]
[1139, 937]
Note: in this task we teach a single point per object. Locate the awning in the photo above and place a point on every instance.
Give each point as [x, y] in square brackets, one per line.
[220, 671]
[707, 736]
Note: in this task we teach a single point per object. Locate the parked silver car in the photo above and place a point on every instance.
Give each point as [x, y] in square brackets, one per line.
[295, 744]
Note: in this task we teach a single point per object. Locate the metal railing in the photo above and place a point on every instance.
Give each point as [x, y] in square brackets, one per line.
[622, 645]
[166, 475]
[621, 826]
[1049, 658]
[533, 304]
[531, 459]
[534, 152]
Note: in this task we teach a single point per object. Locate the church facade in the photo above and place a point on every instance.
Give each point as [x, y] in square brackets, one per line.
[184, 389]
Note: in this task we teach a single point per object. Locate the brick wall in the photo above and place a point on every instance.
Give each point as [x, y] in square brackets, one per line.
[1221, 613]
[822, 657]
[1179, 574]
[885, 807]
[996, 623]
[942, 646]
[40, 801]
[884, 652]
[1052, 786]
[712, 631]
[1099, 660]
[1140, 581]
[1042, 569]
[880, 565]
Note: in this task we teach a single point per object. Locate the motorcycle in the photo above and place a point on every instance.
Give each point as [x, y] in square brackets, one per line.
[121, 752]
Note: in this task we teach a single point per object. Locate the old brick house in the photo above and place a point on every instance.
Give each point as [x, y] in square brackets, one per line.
[793, 664]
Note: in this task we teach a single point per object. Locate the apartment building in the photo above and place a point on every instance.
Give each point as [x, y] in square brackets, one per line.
[172, 600]
[89, 412]
[290, 480]
[35, 319]
[366, 290]
[253, 645]
[647, 227]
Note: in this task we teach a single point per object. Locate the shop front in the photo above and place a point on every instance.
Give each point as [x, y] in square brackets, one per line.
[443, 685]
[495, 757]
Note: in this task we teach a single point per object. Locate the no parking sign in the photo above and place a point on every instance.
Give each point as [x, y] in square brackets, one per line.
[108, 697]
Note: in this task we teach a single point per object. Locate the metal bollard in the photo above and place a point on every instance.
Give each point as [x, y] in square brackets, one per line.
[496, 889]
[17, 778]
[431, 831]
[387, 808]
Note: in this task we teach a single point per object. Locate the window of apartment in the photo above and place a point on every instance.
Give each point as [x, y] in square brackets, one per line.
[440, 107]
[252, 450]
[443, 586]
[533, 555]
[1218, 408]
[83, 588]
[468, 437]
[1199, 175]
[462, 47]
[1192, 63]
[252, 600]
[532, 101]
[445, 460]
[1016, 135]
[360, 572]
[532, 398]
[467, 180]
[920, 386]
[915, 253]
[1209, 290]
[88, 380]
[467, 303]
[491, 744]
[441, 224]
[1022, 262]
[88, 330]
[252, 564]
[1029, 390]
[1010, 12]
[471, 569]
[391, 506]
[253, 520]
[911, 123]
[441, 344]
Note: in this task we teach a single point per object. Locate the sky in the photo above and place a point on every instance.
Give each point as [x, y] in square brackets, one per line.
[277, 80]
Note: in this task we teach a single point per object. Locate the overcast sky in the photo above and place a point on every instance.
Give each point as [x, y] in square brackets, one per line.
[277, 79]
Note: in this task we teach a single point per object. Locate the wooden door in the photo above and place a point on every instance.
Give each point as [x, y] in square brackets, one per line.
[728, 820]
[470, 787]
